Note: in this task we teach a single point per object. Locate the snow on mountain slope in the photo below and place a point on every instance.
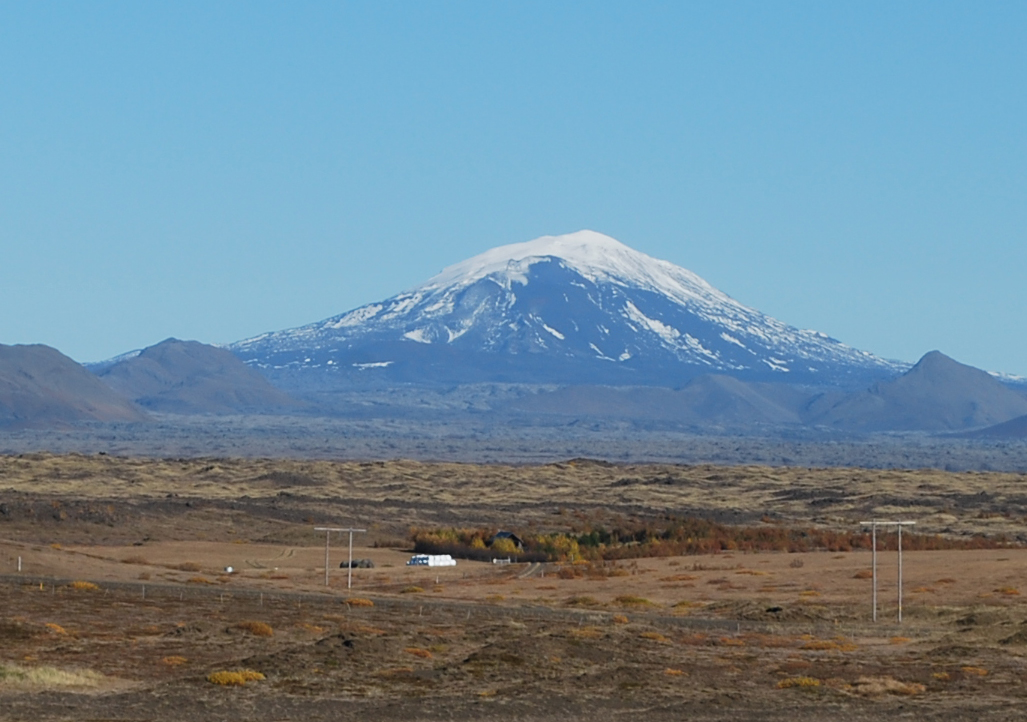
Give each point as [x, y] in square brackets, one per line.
[581, 307]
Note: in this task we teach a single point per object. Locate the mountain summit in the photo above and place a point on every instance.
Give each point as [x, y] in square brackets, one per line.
[577, 308]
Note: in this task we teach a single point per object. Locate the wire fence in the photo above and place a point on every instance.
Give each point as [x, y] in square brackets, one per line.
[455, 611]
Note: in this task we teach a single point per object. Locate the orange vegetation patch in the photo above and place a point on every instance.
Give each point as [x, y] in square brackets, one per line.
[83, 586]
[257, 629]
[238, 678]
[358, 602]
[800, 682]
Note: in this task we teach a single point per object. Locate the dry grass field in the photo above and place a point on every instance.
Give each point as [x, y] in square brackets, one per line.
[123, 609]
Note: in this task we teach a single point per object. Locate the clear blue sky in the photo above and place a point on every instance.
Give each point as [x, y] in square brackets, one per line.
[215, 170]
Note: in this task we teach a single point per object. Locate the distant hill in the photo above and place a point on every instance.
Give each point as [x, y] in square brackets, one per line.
[1012, 429]
[40, 386]
[188, 377]
[937, 394]
[711, 398]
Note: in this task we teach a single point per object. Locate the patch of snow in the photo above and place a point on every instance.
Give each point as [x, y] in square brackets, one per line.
[731, 339]
[418, 334]
[668, 333]
[357, 316]
[1008, 378]
[599, 354]
[454, 335]
[553, 331]
[440, 307]
[374, 365]
[776, 364]
[695, 344]
[402, 305]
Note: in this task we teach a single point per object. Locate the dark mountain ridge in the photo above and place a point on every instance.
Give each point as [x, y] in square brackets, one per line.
[40, 386]
[937, 394]
[188, 377]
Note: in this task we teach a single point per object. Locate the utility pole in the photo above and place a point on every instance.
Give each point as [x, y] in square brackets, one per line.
[328, 533]
[873, 524]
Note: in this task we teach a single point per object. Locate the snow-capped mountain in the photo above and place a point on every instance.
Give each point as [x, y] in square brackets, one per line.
[577, 308]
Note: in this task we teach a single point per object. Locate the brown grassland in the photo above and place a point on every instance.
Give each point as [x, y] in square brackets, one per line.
[123, 609]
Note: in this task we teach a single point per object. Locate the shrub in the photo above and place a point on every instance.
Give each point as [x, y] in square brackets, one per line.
[504, 546]
[56, 628]
[174, 660]
[186, 567]
[358, 602]
[395, 672]
[899, 640]
[670, 672]
[864, 574]
[418, 652]
[1009, 591]
[586, 633]
[412, 590]
[198, 580]
[135, 559]
[582, 601]
[47, 677]
[238, 678]
[975, 671]
[83, 586]
[806, 682]
[257, 629]
[886, 685]
[629, 600]
[620, 619]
